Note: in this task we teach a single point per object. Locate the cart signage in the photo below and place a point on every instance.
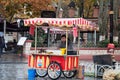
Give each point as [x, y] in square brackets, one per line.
[40, 62]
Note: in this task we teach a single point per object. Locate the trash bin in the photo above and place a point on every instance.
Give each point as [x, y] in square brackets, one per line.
[31, 74]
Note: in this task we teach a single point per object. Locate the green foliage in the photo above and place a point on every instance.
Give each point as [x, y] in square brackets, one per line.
[116, 44]
[104, 43]
[41, 36]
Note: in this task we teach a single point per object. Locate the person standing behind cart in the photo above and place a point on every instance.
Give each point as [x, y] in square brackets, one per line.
[63, 45]
[14, 46]
[2, 45]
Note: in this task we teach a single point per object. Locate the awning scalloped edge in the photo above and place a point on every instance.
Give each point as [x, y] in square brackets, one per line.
[83, 24]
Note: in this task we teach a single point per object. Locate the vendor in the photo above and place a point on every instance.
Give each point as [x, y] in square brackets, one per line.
[63, 43]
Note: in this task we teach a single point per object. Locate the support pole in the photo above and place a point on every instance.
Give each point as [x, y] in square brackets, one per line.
[66, 41]
[78, 42]
[95, 37]
[35, 40]
[111, 21]
[48, 37]
[4, 28]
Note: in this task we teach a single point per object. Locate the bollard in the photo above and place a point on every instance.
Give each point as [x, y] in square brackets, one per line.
[31, 74]
[81, 71]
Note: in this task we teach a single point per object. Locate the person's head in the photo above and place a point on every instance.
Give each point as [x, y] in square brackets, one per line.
[63, 38]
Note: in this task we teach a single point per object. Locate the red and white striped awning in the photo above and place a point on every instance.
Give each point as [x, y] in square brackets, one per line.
[83, 24]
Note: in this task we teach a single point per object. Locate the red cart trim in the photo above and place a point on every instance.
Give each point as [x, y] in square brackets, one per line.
[30, 61]
[42, 61]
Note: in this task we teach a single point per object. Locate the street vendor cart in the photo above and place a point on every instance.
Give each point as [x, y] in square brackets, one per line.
[50, 63]
[54, 65]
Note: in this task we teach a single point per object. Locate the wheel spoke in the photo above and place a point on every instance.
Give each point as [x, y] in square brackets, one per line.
[54, 71]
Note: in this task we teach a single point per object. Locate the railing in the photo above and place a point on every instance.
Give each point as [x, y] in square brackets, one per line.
[87, 44]
[100, 69]
[82, 44]
[96, 70]
[117, 66]
[89, 67]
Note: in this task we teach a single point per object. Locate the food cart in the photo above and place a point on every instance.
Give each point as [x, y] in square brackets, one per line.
[50, 63]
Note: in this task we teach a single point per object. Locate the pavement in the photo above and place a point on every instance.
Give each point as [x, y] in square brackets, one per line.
[14, 67]
[11, 57]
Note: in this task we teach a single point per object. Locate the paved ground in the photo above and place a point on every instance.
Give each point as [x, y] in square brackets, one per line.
[13, 67]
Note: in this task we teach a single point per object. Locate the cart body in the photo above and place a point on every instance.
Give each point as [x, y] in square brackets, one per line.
[67, 63]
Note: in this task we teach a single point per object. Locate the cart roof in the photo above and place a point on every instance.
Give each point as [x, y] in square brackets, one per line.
[63, 23]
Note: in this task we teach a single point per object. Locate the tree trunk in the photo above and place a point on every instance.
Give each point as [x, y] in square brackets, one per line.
[115, 17]
[116, 9]
[103, 17]
[58, 8]
[119, 38]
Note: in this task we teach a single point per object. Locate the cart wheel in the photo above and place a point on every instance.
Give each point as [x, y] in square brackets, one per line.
[54, 70]
[69, 74]
[41, 72]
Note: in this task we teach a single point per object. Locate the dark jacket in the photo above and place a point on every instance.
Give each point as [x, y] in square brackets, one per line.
[2, 42]
[63, 45]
